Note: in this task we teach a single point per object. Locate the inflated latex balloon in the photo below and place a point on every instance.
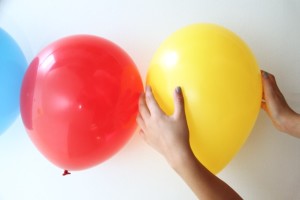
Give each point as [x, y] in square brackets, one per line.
[222, 88]
[12, 68]
[79, 101]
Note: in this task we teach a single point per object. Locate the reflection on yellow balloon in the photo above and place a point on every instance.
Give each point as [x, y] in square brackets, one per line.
[221, 83]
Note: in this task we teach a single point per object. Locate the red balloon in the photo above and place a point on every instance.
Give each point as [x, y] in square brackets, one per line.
[79, 101]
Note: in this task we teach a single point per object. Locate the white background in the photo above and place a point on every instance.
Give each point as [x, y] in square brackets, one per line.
[267, 167]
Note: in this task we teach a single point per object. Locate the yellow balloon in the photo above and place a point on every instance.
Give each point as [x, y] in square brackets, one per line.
[221, 83]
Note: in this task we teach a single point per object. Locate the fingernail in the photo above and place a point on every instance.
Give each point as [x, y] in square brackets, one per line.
[265, 74]
[178, 90]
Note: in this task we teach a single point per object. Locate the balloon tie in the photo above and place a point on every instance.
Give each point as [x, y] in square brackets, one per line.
[66, 172]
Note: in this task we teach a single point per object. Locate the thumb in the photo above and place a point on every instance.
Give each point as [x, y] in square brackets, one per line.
[269, 85]
[179, 103]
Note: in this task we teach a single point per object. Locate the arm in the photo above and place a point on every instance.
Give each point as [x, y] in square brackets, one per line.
[274, 103]
[169, 135]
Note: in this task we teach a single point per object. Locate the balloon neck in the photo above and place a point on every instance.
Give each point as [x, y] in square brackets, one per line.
[66, 172]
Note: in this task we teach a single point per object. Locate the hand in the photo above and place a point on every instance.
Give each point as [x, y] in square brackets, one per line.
[169, 135]
[274, 103]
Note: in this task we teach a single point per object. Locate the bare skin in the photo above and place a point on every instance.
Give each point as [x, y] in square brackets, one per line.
[283, 117]
[169, 135]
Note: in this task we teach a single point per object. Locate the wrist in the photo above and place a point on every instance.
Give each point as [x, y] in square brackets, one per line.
[291, 123]
[293, 126]
[181, 159]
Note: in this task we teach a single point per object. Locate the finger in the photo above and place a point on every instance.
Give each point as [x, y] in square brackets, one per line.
[263, 100]
[267, 81]
[179, 103]
[263, 92]
[268, 76]
[142, 134]
[151, 102]
[270, 86]
[143, 108]
[264, 106]
[140, 122]
[274, 83]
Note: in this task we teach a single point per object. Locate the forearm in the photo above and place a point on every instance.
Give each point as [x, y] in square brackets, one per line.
[169, 135]
[203, 183]
[292, 124]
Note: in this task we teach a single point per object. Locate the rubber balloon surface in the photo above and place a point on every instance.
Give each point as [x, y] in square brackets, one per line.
[79, 101]
[221, 83]
[12, 68]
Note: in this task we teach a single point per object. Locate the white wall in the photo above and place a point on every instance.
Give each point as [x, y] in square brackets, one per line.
[267, 167]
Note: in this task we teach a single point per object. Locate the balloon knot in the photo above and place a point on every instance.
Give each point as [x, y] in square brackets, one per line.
[66, 172]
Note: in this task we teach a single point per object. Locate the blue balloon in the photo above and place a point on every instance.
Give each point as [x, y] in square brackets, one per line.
[12, 68]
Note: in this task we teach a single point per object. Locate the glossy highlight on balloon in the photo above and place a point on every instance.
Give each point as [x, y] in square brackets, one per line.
[79, 101]
[12, 68]
[221, 83]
